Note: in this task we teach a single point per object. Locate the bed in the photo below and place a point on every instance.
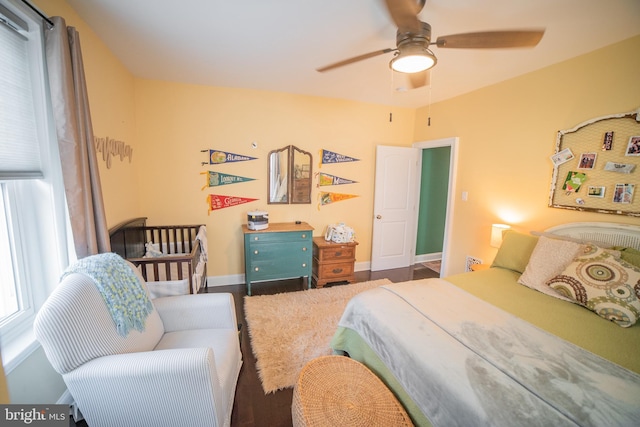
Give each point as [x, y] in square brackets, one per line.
[171, 258]
[500, 347]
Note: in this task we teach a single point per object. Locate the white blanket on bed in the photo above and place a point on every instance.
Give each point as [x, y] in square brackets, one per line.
[465, 362]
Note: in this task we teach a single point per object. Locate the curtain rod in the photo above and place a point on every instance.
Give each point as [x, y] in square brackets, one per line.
[42, 15]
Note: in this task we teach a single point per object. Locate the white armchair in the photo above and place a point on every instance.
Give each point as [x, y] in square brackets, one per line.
[182, 369]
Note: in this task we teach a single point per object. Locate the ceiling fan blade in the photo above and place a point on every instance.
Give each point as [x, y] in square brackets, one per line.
[354, 59]
[404, 14]
[491, 39]
[418, 80]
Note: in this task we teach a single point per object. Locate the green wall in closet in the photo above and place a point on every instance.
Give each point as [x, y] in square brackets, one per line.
[433, 200]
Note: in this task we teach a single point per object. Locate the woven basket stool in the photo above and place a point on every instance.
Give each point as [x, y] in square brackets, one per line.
[339, 391]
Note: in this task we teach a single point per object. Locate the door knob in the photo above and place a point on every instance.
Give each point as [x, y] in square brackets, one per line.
[378, 216]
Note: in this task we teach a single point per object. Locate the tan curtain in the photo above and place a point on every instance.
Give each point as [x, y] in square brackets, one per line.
[75, 138]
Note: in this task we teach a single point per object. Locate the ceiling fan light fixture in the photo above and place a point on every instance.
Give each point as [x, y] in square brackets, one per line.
[413, 59]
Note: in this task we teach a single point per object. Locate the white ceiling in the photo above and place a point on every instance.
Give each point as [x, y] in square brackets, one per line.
[276, 45]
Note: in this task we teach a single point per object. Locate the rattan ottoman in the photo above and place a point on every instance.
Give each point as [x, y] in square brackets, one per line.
[339, 391]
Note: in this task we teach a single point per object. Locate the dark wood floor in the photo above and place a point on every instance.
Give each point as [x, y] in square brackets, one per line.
[251, 406]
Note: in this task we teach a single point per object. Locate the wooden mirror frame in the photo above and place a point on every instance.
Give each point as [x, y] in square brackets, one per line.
[295, 186]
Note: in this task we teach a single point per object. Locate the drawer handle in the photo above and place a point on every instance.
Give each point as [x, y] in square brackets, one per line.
[338, 253]
[255, 252]
[304, 236]
[304, 264]
[304, 249]
[256, 269]
[256, 238]
[337, 270]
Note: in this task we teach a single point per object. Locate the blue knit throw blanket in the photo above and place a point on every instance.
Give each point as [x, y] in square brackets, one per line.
[120, 288]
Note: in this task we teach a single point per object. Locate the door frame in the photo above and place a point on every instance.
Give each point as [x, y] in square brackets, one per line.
[449, 213]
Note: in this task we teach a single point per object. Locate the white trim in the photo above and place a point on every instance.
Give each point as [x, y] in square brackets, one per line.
[362, 266]
[232, 279]
[436, 256]
[238, 279]
[453, 174]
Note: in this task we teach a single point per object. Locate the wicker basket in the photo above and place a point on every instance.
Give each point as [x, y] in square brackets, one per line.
[338, 391]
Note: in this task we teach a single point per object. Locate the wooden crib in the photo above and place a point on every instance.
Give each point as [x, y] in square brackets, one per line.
[171, 258]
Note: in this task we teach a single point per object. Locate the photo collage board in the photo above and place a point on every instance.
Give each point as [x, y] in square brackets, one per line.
[597, 166]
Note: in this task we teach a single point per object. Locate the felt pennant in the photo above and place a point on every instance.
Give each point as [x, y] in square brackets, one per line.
[327, 198]
[327, 156]
[217, 157]
[215, 179]
[326, 179]
[219, 201]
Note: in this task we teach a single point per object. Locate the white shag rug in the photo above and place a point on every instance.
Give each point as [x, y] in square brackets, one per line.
[287, 330]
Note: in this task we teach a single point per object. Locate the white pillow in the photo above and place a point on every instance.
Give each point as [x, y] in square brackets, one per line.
[549, 258]
[153, 250]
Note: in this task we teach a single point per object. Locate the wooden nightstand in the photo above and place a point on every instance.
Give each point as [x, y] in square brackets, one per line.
[333, 262]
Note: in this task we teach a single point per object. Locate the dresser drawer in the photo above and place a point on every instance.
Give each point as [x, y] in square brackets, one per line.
[297, 236]
[335, 253]
[279, 251]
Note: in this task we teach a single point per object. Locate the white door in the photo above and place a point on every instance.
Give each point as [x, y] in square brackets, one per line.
[395, 207]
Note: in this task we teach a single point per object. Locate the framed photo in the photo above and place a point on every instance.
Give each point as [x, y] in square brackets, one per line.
[623, 193]
[595, 191]
[607, 144]
[574, 181]
[587, 161]
[562, 156]
[633, 148]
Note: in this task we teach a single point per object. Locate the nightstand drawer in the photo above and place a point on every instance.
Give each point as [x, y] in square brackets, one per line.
[335, 270]
[335, 253]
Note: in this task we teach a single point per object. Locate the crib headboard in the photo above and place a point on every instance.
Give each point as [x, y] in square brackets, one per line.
[128, 238]
[613, 234]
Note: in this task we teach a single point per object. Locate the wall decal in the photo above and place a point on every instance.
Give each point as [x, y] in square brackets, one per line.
[217, 157]
[215, 179]
[328, 198]
[219, 201]
[326, 179]
[110, 147]
[327, 156]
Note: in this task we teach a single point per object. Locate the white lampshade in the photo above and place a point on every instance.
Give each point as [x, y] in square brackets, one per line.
[496, 234]
[413, 59]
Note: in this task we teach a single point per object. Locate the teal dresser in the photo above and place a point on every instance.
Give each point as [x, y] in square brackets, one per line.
[282, 251]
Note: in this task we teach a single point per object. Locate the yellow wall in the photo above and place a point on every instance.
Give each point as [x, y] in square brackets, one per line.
[111, 94]
[175, 121]
[508, 132]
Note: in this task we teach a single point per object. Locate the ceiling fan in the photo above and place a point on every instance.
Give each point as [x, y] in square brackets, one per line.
[413, 38]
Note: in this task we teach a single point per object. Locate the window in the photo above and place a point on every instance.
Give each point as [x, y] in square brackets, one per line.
[33, 242]
[8, 291]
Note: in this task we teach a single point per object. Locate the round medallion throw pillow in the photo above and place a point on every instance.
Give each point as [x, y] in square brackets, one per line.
[603, 283]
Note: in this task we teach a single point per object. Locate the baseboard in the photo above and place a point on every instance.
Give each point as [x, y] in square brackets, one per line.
[238, 279]
[232, 279]
[362, 266]
[436, 256]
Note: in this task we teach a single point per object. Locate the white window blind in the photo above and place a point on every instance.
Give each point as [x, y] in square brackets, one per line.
[19, 146]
